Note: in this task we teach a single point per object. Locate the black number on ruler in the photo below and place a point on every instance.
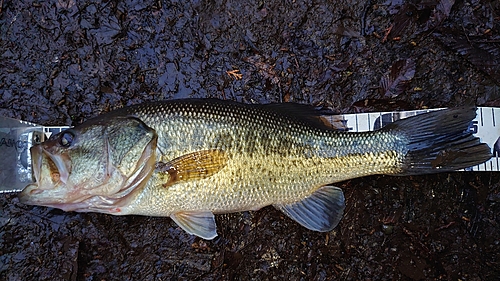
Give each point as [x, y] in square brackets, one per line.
[473, 127]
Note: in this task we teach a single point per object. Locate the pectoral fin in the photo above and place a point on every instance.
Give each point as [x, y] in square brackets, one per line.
[321, 211]
[192, 166]
[201, 223]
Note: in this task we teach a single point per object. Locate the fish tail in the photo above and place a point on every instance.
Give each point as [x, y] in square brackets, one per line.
[440, 141]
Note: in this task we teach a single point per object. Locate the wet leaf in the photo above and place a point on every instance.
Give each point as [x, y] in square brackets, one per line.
[406, 15]
[483, 53]
[265, 70]
[427, 14]
[440, 13]
[397, 81]
[346, 31]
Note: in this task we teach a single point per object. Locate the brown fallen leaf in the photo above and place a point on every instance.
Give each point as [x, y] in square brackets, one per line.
[398, 79]
[234, 74]
[481, 51]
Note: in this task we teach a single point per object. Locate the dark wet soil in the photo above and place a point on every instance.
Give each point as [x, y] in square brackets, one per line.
[62, 62]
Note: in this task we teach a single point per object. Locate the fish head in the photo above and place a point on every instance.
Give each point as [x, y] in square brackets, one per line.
[96, 166]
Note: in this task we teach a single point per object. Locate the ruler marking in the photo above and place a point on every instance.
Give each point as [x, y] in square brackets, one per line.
[493, 114]
[369, 123]
[481, 116]
[496, 132]
[357, 127]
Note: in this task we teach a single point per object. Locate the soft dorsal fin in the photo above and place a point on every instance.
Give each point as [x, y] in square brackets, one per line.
[321, 211]
[201, 223]
[196, 165]
[312, 116]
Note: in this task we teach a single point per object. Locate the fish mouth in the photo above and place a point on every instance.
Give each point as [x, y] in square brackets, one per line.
[60, 172]
[58, 168]
[58, 165]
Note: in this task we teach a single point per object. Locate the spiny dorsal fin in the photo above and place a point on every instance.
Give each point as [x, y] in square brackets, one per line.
[196, 165]
[307, 114]
[321, 211]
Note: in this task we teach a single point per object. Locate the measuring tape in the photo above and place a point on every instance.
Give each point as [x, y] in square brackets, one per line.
[17, 137]
[486, 126]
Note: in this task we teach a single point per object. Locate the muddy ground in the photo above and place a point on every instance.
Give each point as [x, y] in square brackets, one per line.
[62, 62]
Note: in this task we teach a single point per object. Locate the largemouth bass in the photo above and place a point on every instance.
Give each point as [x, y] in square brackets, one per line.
[191, 159]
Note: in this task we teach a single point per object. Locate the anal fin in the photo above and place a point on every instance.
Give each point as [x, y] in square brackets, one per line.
[201, 223]
[321, 211]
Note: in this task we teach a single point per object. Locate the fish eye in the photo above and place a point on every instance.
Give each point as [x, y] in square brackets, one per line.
[66, 139]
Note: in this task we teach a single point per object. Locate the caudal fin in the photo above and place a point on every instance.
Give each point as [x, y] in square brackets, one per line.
[440, 141]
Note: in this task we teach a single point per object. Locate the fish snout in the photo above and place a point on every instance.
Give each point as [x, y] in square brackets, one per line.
[29, 193]
[50, 171]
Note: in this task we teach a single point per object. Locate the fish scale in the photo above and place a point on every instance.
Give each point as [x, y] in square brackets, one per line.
[302, 165]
